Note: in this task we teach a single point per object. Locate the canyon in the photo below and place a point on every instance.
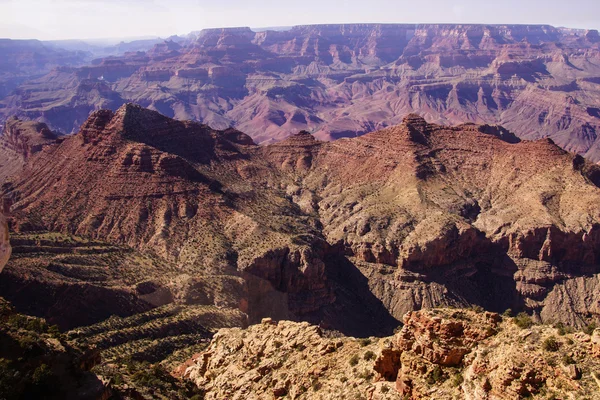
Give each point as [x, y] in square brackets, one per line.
[159, 258]
[350, 234]
[340, 81]
[357, 211]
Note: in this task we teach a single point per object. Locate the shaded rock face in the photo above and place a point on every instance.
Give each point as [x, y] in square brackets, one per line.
[342, 81]
[5, 248]
[350, 234]
[438, 354]
[39, 364]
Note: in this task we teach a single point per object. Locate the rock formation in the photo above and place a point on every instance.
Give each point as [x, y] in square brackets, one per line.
[351, 234]
[18, 141]
[438, 354]
[342, 81]
[5, 248]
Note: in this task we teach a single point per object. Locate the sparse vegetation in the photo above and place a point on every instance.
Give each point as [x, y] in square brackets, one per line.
[436, 376]
[523, 320]
[590, 328]
[551, 344]
[354, 360]
[369, 355]
[457, 380]
[477, 308]
[563, 329]
[567, 359]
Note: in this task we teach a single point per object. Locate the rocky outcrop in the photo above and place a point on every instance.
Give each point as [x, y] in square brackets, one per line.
[439, 353]
[445, 341]
[286, 359]
[19, 140]
[26, 137]
[5, 248]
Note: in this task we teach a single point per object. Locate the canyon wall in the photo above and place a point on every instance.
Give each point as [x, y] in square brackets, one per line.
[343, 81]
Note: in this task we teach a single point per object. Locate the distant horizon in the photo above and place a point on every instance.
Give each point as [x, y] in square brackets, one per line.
[127, 39]
[110, 19]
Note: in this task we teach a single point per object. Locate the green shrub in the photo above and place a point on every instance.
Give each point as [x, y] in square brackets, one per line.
[436, 376]
[316, 385]
[507, 313]
[457, 380]
[562, 329]
[567, 359]
[354, 360]
[369, 355]
[42, 375]
[477, 308]
[523, 320]
[550, 344]
[54, 331]
[365, 342]
[589, 329]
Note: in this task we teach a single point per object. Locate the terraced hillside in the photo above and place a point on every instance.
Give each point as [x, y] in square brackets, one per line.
[144, 348]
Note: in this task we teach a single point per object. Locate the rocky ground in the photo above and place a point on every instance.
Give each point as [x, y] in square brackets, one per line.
[437, 354]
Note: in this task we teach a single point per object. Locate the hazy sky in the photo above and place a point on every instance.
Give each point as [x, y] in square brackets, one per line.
[70, 19]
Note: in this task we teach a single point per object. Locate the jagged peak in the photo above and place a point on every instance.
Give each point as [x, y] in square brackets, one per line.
[414, 119]
[302, 138]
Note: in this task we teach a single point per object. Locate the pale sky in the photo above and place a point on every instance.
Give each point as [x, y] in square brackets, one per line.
[85, 19]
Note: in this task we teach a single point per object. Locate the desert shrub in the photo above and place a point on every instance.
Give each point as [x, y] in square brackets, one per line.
[523, 320]
[354, 360]
[436, 376]
[365, 342]
[366, 375]
[54, 331]
[562, 328]
[299, 347]
[567, 359]
[550, 344]
[42, 375]
[369, 355]
[508, 312]
[316, 385]
[590, 328]
[457, 380]
[477, 308]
